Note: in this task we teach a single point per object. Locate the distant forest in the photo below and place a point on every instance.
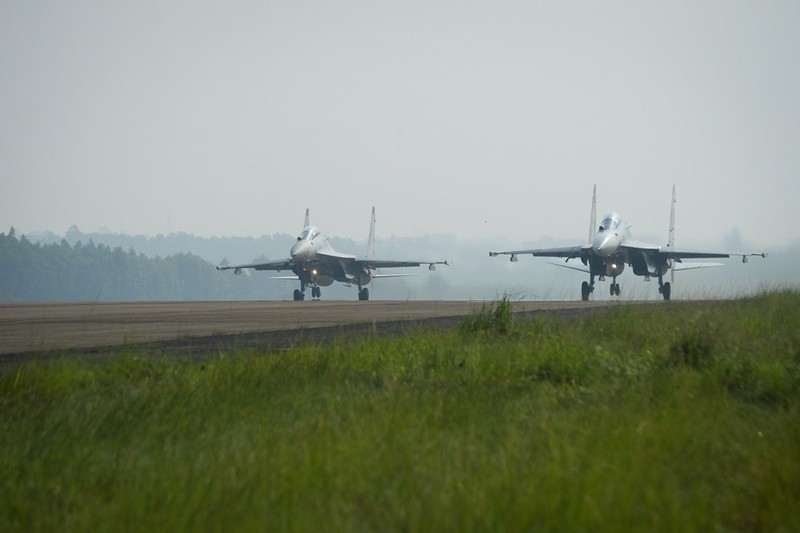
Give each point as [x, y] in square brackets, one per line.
[96, 272]
[212, 249]
[78, 266]
[81, 266]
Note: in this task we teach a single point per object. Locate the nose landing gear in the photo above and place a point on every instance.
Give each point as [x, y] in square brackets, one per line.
[614, 288]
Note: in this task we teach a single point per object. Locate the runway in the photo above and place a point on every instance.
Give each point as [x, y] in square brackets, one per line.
[37, 328]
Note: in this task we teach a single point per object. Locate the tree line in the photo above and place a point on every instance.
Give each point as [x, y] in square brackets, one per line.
[96, 267]
[96, 272]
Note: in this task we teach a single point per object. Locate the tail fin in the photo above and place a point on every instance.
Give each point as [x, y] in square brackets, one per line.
[371, 242]
[307, 222]
[593, 217]
[671, 237]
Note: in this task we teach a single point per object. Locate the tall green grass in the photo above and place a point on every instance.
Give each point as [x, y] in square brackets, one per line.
[678, 417]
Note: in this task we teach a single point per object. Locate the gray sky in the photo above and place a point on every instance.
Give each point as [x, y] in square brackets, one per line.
[479, 119]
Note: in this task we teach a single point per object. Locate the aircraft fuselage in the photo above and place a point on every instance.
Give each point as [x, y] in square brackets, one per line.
[609, 255]
[313, 269]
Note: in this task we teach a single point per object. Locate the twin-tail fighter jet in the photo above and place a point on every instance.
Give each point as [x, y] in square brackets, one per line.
[314, 262]
[611, 246]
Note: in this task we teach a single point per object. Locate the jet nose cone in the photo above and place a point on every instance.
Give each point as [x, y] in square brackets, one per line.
[301, 251]
[605, 244]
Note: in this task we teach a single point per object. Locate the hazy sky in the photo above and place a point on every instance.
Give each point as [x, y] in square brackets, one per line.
[469, 118]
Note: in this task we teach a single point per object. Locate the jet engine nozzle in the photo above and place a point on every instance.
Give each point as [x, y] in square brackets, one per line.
[605, 244]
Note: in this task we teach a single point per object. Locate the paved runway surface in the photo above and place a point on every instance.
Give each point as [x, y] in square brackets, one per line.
[26, 328]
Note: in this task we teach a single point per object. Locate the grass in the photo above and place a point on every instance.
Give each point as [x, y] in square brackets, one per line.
[497, 318]
[669, 417]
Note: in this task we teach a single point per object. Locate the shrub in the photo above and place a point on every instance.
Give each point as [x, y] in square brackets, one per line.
[496, 318]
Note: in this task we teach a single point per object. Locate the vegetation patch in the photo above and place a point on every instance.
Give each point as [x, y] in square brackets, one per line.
[497, 317]
[693, 349]
[678, 417]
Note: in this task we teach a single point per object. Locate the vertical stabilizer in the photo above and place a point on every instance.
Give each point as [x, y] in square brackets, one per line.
[307, 222]
[671, 237]
[593, 216]
[371, 242]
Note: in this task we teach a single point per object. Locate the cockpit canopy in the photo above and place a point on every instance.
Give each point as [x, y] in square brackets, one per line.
[309, 234]
[610, 222]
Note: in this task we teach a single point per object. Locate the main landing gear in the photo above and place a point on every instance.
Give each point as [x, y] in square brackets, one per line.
[587, 288]
[300, 294]
[316, 294]
[665, 289]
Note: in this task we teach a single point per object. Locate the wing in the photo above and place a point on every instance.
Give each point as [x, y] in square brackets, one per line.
[282, 264]
[669, 252]
[569, 252]
[571, 267]
[373, 263]
[678, 254]
[692, 266]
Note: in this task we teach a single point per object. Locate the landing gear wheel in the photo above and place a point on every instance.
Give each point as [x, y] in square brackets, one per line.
[616, 289]
[585, 291]
[666, 291]
[316, 292]
[363, 294]
[299, 296]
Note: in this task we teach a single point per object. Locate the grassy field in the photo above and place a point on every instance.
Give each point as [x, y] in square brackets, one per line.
[675, 417]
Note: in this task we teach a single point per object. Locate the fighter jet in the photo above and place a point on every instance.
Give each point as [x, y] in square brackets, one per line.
[611, 246]
[314, 262]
